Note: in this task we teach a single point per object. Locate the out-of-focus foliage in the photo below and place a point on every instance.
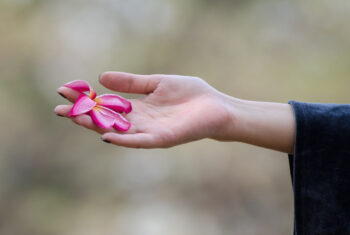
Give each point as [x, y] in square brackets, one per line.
[57, 178]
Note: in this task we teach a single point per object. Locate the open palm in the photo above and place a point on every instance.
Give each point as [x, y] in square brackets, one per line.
[174, 110]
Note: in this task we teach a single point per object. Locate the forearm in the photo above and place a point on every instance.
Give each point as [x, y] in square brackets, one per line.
[265, 124]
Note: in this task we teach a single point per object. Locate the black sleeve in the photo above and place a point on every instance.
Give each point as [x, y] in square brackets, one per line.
[320, 168]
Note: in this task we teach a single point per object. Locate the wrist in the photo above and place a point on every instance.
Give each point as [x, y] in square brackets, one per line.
[230, 118]
[265, 124]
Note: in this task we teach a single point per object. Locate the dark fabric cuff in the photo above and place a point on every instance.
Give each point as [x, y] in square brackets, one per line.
[320, 168]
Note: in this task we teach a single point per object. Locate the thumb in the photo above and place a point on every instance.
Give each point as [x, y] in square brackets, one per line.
[130, 83]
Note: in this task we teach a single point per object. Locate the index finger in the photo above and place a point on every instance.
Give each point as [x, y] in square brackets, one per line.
[68, 93]
[130, 83]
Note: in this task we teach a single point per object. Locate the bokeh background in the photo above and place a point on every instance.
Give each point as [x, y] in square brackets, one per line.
[57, 178]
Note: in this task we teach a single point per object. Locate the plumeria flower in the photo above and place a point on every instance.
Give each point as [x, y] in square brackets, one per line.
[105, 110]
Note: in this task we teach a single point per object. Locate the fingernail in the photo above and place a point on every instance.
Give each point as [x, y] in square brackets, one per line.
[57, 113]
[107, 141]
[61, 95]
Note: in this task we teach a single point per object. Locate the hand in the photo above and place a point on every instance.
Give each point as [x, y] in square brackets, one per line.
[174, 110]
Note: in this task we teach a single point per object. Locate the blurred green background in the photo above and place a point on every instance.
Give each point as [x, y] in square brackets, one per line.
[57, 178]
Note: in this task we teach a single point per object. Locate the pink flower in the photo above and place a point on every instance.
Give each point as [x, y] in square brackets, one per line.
[104, 109]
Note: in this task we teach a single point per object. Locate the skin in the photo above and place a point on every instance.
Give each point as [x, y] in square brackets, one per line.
[180, 109]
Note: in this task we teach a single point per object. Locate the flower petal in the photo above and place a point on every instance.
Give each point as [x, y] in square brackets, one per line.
[101, 119]
[114, 102]
[81, 86]
[121, 124]
[83, 105]
[106, 118]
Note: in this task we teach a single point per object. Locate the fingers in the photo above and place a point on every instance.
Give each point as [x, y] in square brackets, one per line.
[130, 83]
[82, 120]
[86, 121]
[139, 140]
[63, 110]
[129, 139]
[68, 93]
